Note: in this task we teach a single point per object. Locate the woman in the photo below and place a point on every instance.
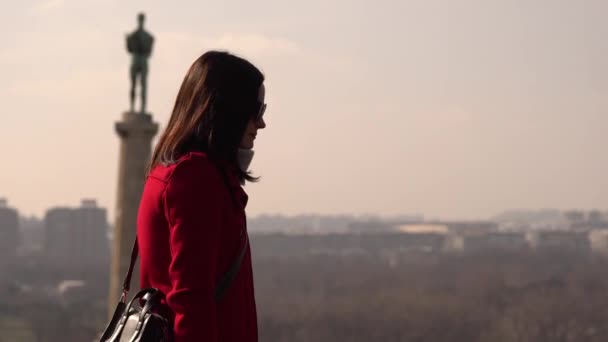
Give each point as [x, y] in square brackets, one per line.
[191, 220]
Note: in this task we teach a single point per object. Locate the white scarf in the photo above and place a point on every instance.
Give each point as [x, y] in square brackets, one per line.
[244, 158]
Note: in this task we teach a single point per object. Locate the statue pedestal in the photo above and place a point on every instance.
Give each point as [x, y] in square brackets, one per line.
[136, 131]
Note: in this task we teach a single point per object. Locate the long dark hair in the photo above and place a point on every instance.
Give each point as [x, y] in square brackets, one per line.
[218, 97]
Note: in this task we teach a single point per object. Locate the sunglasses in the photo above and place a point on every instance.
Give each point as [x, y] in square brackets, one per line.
[260, 114]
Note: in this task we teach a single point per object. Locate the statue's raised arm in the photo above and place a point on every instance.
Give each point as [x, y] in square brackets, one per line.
[139, 45]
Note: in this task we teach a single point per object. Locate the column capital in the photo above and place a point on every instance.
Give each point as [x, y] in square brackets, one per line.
[136, 124]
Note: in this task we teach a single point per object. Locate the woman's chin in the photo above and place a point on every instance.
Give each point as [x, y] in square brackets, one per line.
[247, 146]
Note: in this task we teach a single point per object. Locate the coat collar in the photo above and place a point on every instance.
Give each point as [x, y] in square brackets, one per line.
[232, 175]
[235, 183]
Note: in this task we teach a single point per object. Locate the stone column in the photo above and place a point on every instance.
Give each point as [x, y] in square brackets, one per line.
[136, 131]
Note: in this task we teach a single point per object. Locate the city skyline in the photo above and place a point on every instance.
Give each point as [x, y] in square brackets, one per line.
[337, 221]
[447, 110]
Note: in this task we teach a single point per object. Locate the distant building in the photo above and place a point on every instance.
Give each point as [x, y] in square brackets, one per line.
[495, 242]
[300, 224]
[9, 231]
[373, 226]
[574, 216]
[598, 238]
[562, 240]
[349, 244]
[454, 243]
[76, 238]
[32, 235]
[588, 222]
[596, 216]
[471, 227]
[417, 228]
[427, 242]
[588, 226]
[460, 233]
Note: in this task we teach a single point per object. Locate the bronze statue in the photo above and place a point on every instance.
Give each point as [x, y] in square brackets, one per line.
[139, 45]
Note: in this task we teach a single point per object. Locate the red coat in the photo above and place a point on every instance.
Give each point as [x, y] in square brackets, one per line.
[188, 230]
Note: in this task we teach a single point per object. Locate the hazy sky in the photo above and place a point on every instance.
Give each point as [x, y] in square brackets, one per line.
[452, 108]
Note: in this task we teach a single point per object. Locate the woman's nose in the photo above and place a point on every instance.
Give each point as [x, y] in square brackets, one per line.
[261, 123]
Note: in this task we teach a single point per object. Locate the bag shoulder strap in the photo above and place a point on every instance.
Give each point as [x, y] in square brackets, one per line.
[224, 282]
[228, 277]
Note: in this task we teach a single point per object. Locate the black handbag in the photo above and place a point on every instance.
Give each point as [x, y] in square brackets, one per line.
[141, 320]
